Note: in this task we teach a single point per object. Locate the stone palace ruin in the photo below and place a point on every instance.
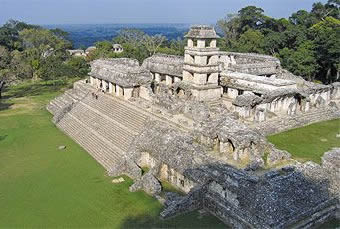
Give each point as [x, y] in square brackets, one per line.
[199, 122]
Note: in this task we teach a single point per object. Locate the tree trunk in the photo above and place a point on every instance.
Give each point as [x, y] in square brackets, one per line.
[2, 84]
[328, 75]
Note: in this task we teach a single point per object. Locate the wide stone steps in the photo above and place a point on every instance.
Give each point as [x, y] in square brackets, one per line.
[105, 127]
[280, 124]
[106, 154]
[130, 118]
[110, 129]
[75, 95]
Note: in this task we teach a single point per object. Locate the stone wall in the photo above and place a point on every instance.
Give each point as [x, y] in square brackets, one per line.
[250, 63]
[281, 103]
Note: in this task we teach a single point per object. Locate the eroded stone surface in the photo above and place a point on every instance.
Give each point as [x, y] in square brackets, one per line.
[148, 183]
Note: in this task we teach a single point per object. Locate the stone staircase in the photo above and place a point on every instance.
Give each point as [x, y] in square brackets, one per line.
[104, 127]
[70, 96]
[98, 147]
[280, 124]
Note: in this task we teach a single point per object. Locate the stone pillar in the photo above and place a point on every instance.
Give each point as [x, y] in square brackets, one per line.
[200, 43]
[200, 79]
[190, 43]
[232, 93]
[168, 79]
[177, 79]
[92, 81]
[187, 76]
[119, 91]
[213, 43]
[232, 60]
[127, 93]
[157, 77]
[189, 59]
[213, 78]
[201, 60]
[110, 87]
[104, 85]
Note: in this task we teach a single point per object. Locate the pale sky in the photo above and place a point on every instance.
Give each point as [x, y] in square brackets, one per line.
[138, 11]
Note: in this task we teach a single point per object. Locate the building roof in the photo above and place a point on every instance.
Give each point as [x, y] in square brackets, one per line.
[231, 76]
[89, 49]
[117, 46]
[165, 64]
[124, 72]
[202, 31]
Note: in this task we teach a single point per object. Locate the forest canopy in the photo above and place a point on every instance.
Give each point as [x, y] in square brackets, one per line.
[307, 43]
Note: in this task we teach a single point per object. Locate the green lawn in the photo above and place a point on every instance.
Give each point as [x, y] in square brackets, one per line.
[310, 142]
[43, 187]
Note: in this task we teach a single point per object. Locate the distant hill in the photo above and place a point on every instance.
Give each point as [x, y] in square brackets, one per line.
[87, 34]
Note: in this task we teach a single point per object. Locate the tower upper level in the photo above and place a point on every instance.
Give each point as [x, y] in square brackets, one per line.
[201, 36]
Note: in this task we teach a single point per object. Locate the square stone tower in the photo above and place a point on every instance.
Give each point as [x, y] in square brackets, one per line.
[201, 69]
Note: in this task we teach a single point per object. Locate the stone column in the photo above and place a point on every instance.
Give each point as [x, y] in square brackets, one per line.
[157, 77]
[127, 93]
[232, 93]
[190, 43]
[213, 43]
[177, 79]
[110, 87]
[201, 43]
[168, 80]
[118, 90]
[104, 85]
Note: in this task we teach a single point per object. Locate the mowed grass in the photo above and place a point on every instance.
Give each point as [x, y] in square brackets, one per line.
[43, 187]
[309, 142]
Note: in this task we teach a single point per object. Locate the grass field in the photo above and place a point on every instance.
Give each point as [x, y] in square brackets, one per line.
[310, 142]
[43, 187]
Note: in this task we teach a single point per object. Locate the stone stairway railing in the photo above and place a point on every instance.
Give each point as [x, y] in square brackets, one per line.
[280, 124]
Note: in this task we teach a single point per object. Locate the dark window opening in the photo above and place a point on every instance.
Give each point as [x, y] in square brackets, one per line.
[182, 182]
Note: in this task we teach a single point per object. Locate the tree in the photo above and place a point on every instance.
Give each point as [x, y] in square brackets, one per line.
[251, 41]
[251, 17]
[2, 85]
[326, 36]
[5, 57]
[131, 36]
[152, 43]
[273, 42]
[302, 18]
[229, 26]
[301, 61]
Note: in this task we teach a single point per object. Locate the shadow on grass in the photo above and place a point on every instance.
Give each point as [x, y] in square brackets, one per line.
[5, 106]
[189, 220]
[3, 137]
[34, 88]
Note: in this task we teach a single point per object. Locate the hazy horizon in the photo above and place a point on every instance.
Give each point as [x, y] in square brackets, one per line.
[77, 12]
